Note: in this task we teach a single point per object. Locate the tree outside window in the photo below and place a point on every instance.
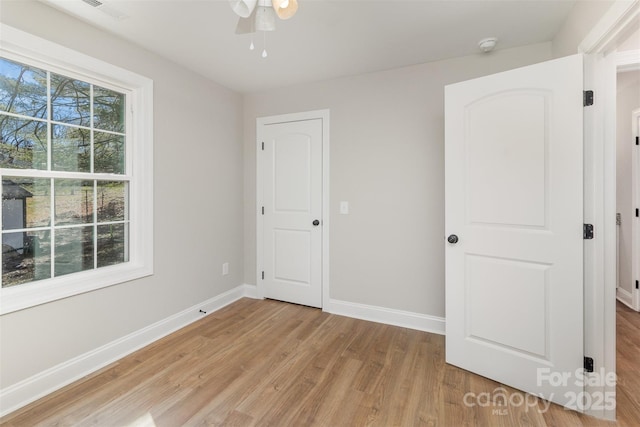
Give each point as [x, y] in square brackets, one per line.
[65, 184]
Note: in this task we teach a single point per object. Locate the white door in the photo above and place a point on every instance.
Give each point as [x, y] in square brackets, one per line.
[514, 279]
[292, 201]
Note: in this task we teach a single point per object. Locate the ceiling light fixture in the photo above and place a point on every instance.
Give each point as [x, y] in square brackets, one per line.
[265, 17]
[285, 9]
[260, 15]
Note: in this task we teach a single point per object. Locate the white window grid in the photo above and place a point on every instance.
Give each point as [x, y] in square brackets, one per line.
[52, 175]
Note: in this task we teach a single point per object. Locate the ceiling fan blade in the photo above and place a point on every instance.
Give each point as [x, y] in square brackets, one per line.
[243, 8]
[246, 25]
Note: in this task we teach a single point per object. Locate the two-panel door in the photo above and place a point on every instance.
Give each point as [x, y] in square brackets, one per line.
[291, 180]
[514, 209]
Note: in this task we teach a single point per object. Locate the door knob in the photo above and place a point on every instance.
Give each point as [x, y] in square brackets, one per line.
[452, 239]
[316, 222]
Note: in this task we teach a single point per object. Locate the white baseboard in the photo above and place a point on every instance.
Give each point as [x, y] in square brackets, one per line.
[251, 291]
[405, 319]
[52, 379]
[625, 297]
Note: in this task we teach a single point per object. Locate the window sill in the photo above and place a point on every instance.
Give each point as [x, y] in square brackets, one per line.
[19, 297]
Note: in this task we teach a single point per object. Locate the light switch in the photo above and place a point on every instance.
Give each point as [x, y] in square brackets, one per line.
[344, 208]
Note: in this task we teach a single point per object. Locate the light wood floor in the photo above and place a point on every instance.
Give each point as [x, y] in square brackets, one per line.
[270, 363]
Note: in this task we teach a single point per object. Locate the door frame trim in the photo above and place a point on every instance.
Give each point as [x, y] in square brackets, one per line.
[284, 118]
[600, 188]
[635, 228]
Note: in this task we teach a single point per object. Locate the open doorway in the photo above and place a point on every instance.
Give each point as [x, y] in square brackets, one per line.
[627, 116]
[627, 221]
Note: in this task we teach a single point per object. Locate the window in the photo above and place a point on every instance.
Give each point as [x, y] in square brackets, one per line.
[69, 213]
[76, 177]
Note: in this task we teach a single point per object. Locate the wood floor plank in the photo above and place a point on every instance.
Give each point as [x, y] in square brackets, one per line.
[333, 402]
[263, 359]
[628, 365]
[297, 383]
[267, 363]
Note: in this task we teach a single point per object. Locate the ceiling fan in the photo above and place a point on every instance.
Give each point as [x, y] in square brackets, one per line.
[260, 15]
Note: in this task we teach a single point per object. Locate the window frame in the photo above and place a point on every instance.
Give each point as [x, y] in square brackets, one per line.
[17, 45]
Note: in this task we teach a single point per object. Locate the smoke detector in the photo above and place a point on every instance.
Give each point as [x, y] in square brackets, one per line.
[488, 44]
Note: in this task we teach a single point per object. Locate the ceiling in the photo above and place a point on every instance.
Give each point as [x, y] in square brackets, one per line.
[326, 38]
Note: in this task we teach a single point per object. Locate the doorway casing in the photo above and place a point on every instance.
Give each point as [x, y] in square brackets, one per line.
[622, 18]
[635, 173]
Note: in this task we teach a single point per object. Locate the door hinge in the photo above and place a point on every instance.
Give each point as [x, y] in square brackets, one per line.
[637, 213]
[637, 140]
[587, 231]
[588, 364]
[587, 98]
[263, 275]
[263, 210]
[637, 284]
[263, 146]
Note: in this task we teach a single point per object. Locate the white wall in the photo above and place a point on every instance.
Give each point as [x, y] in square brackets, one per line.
[387, 160]
[627, 100]
[584, 15]
[632, 43]
[198, 207]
